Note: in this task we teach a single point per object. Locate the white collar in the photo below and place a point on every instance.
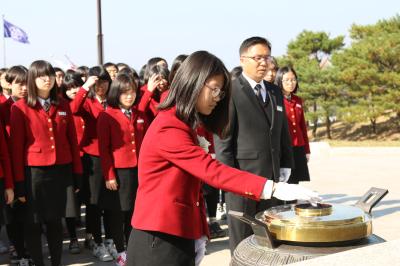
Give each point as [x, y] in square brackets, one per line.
[42, 101]
[252, 82]
[125, 110]
[101, 101]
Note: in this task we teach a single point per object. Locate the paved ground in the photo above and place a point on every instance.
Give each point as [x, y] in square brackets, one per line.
[341, 175]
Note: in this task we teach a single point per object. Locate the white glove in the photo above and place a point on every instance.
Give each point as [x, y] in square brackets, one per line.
[200, 249]
[284, 174]
[285, 191]
[308, 157]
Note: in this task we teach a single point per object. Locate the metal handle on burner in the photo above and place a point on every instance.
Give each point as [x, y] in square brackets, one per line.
[260, 229]
[371, 198]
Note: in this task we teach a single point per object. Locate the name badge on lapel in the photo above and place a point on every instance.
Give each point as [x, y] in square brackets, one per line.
[140, 121]
[279, 108]
[62, 113]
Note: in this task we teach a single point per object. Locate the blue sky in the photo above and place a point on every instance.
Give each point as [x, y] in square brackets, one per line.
[135, 31]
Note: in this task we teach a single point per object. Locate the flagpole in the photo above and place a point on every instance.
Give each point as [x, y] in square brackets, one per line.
[4, 45]
[99, 35]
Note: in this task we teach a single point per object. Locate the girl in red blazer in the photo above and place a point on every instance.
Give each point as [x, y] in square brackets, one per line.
[6, 179]
[4, 95]
[286, 79]
[120, 130]
[45, 155]
[155, 91]
[169, 222]
[16, 78]
[89, 102]
[71, 84]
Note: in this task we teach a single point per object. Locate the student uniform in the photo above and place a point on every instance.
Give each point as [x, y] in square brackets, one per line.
[89, 110]
[6, 179]
[5, 111]
[45, 155]
[120, 138]
[169, 209]
[92, 186]
[298, 134]
[44, 143]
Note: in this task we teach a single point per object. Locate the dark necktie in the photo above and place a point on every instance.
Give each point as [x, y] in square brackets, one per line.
[104, 104]
[128, 114]
[258, 93]
[46, 106]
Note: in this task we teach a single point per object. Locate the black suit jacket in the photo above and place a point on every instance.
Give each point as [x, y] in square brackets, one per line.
[259, 140]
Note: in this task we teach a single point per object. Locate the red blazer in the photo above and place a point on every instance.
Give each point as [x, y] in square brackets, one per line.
[297, 122]
[42, 139]
[5, 111]
[89, 110]
[119, 139]
[5, 163]
[79, 127]
[149, 103]
[172, 167]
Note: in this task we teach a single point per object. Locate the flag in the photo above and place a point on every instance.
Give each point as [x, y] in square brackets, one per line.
[14, 32]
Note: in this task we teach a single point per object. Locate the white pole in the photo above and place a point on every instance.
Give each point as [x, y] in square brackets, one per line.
[4, 45]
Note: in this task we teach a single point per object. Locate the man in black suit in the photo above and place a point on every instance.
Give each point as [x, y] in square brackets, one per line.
[259, 141]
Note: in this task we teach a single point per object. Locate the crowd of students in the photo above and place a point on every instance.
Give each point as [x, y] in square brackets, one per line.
[73, 138]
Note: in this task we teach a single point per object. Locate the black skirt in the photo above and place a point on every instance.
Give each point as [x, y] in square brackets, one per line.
[72, 207]
[156, 248]
[300, 171]
[46, 192]
[92, 180]
[124, 198]
[84, 192]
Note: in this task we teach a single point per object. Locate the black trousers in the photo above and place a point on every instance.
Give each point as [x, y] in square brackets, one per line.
[211, 195]
[147, 248]
[54, 233]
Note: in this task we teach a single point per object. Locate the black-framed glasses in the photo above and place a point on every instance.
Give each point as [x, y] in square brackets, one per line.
[259, 58]
[216, 92]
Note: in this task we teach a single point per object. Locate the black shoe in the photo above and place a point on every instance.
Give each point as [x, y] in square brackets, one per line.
[216, 231]
[74, 247]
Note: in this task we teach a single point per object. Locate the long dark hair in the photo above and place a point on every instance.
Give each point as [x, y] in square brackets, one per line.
[279, 76]
[37, 69]
[175, 65]
[187, 85]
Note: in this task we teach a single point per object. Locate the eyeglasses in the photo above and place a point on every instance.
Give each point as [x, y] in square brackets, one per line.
[216, 92]
[259, 58]
[289, 80]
